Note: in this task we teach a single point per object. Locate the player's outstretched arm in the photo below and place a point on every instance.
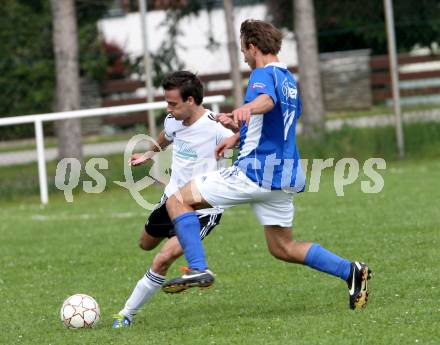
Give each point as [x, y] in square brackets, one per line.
[226, 121]
[260, 105]
[226, 144]
[141, 158]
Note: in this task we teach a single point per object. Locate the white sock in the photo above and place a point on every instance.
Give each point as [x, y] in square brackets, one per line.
[144, 290]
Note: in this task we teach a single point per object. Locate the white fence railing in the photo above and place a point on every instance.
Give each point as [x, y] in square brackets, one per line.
[40, 118]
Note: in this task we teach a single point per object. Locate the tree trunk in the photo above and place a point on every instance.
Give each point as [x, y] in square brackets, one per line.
[309, 71]
[67, 77]
[233, 53]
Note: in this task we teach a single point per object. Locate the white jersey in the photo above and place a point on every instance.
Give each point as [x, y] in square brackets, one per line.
[194, 150]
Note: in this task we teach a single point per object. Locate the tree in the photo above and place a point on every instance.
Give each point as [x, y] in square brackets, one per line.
[359, 24]
[233, 53]
[166, 59]
[67, 76]
[27, 67]
[309, 71]
[26, 60]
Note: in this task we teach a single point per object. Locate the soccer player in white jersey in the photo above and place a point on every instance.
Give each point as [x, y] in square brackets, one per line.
[194, 134]
[266, 174]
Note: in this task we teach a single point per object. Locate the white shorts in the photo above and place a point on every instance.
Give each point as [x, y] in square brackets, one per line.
[230, 187]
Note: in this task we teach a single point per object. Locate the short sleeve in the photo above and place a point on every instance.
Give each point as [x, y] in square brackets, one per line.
[260, 82]
[222, 133]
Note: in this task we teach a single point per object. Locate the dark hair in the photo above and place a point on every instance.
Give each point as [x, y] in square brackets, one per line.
[262, 35]
[187, 83]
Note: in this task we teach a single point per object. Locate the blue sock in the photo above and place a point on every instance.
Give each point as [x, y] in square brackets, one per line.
[325, 261]
[187, 227]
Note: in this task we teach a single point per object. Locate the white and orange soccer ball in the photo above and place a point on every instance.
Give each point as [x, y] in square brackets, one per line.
[80, 311]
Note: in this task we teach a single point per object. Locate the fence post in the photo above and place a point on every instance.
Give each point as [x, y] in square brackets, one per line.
[394, 71]
[41, 161]
[38, 120]
[215, 108]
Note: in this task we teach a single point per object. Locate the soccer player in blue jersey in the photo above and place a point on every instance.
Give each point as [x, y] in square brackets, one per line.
[266, 175]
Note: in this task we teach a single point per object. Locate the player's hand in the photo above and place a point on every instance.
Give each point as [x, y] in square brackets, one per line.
[241, 115]
[227, 121]
[226, 144]
[139, 158]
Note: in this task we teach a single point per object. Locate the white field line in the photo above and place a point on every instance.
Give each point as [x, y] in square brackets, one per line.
[84, 216]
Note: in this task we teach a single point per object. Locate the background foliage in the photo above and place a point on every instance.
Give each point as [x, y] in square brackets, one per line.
[27, 62]
[358, 24]
[27, 77]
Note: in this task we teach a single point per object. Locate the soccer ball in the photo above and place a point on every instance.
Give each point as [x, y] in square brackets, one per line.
[80, 311]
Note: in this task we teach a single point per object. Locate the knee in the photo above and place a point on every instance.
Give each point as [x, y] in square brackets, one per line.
[147, 245]
[170, 203]
[278, 253]
[286, 251]
[283, 251]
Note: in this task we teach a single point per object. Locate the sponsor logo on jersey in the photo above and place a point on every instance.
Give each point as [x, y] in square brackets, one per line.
[258, 85]
[184, 150]
[289, 90]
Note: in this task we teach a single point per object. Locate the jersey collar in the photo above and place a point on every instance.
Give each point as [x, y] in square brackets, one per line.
[277, 64]
[205, 114]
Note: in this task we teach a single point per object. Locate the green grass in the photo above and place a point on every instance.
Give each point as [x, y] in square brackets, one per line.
[19, 180]
[90, 246]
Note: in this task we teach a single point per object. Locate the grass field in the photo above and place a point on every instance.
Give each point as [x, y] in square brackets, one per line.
[90, 247]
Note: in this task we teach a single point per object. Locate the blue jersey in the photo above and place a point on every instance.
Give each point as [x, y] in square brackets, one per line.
[268, 152]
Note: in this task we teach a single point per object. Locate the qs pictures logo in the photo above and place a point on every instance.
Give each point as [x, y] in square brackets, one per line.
[68, 172]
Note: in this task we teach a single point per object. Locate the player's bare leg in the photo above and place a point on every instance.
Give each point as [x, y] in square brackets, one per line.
[167, 255]
[148, 242]
[148, 285]
[187, 199]
[282, 246]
